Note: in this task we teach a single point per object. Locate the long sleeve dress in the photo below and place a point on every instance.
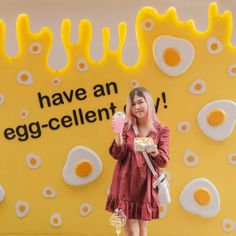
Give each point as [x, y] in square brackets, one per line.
[131, 188]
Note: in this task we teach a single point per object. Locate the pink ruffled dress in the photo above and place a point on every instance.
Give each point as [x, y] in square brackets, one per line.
[131, 188]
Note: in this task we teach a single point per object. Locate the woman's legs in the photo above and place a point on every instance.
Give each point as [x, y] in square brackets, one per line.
[135, 227]
[143, 227]
[131, 228]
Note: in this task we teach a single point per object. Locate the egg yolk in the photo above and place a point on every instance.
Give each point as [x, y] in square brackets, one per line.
[33, 161]
[227, 226]
[85, 209]
[48, 192]
[233, 158]
[84, 168]
[171, 57]
[21, 208]
[24, 77]
[35, 48]
[184, 127]
[190, 158]
[202, 196]
[215, 117]
[81, 65]
[214, 46]
[148, 24]
[198, 87]
[233, 70]
[55, 221]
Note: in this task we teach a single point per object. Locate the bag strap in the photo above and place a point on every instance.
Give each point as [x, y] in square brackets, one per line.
[145, 155]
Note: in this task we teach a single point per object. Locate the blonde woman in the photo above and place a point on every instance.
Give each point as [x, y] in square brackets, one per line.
[131, 189]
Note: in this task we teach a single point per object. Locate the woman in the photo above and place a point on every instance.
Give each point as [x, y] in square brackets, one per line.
[131, 189]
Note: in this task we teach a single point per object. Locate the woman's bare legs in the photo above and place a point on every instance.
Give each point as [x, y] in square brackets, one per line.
[131, 227]
[143, 225]
[135, 228]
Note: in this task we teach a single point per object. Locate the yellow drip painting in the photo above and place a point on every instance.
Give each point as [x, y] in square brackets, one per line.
[48, 117]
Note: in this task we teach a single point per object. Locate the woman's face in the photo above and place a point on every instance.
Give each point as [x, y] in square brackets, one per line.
[139, 107]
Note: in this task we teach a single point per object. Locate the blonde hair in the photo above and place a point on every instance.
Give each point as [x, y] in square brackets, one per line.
[144, 93]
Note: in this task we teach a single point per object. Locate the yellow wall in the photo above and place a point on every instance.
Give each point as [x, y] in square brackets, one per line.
[20, 93]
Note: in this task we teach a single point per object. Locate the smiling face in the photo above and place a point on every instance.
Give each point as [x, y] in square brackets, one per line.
[139, 107]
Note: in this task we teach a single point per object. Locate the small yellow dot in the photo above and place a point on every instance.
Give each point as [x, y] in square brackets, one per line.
[190, 158]
[184, 127]
[33, 161]
[233, 70]
[198, 87]
[233, 158]
[214, 46]
[81, 65]
[148, 24]
[227, 226]
[24, 77]
[48, 192]
[21, 208]
[35, 48]
[85, 209]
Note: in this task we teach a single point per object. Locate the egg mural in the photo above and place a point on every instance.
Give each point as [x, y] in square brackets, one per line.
[22, 208]
[56, 123]
[173, 55]
[82, 166]
[200, 197]
[217, 119]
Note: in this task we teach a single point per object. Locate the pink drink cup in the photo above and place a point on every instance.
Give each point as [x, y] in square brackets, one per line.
[119, 120]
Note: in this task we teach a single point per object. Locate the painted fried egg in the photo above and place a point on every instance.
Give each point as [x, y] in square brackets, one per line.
[49, 192]
[198, 87]
[232, 70]
[33, 161]
[134, 83]
[56, 81]
[2, 193]
[190, 158]
[56, 220]
[22, 209]
[214, 46]
[228, 225]
[232, 158]
[173, 55]
[184, 127]
[148, 24]
[217, 119]
[82, 65]
[85, 209]
[35, 48]
[82, 166]
[200, 197]
[24, 114]
[24, 77]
